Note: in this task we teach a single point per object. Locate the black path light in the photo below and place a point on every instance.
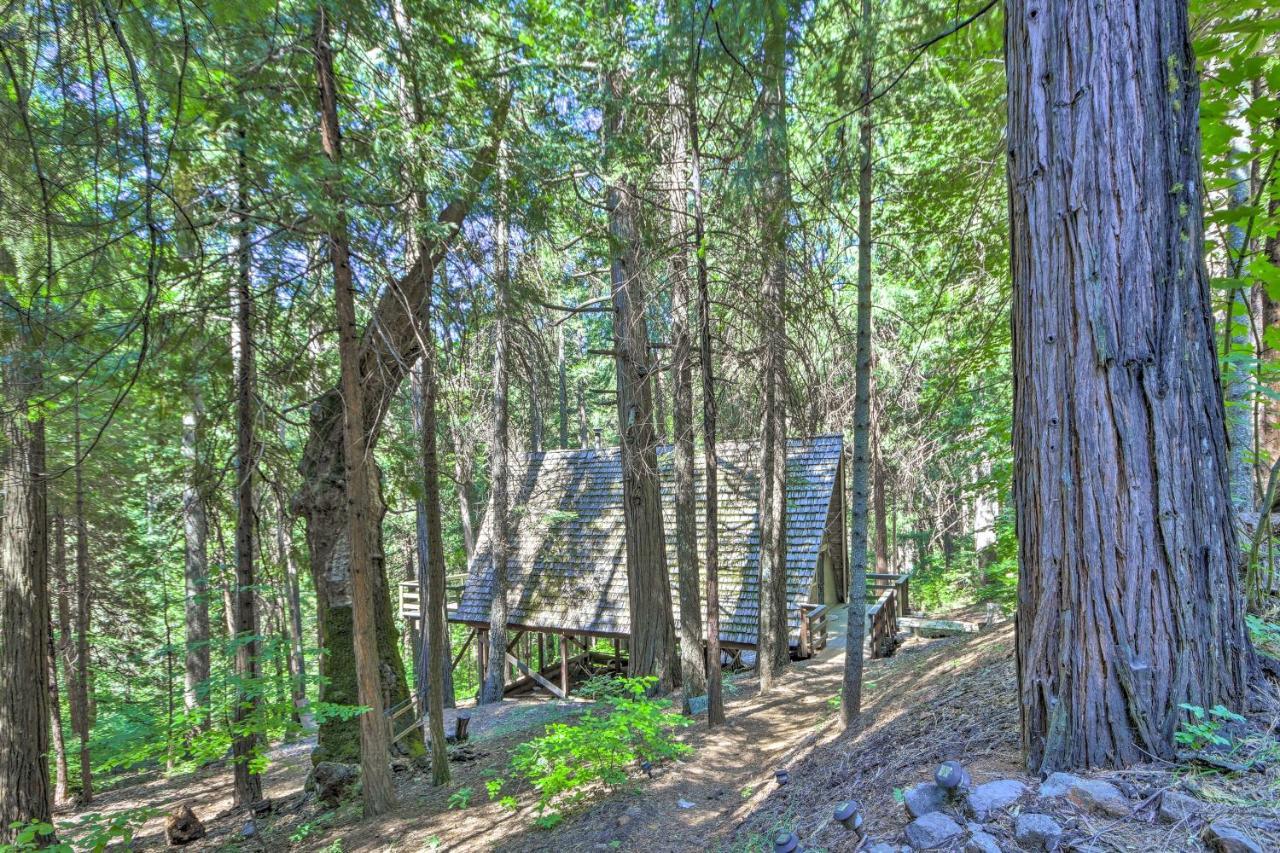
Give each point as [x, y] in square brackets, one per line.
[786, 842]
[849, 814]
[781, 776]
[647, 766]
[951, 776]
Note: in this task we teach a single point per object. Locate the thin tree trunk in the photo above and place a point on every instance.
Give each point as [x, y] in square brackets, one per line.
[851, 689]
[1128, 598]
[1269, 355]
[562, 380]
[1237, 389]
[55, 725]
[693, 672]
[491, 690]
[776, 202]
[245, 741]
[379, 794]
[66, 628]
[535, 408]
[196, 532]
[293, 600]
[652, 643]
[80, 685]
[463, 472]
[878, 503]
[433, 651]
[715, 700]
[584, 426]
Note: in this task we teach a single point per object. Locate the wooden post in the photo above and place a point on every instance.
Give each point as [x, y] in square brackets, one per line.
[482, 654]
[542, 651]
[564, 664]
[904, 609]
[804, 646]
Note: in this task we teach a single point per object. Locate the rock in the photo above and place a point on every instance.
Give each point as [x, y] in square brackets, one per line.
[1058, 784]
[923, 799]
[882, 847]
[684, 804]
[994, 796]
[932, 830]
[401, 765]
[182, 826]
[250, 829]
[1176, 807]
[331, 781]
[1095, 795]
[981, 842]
[623, 820]
[1225, 838]
[1037, 831]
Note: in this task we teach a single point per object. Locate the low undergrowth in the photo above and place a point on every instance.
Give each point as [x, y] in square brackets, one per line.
[627, 732]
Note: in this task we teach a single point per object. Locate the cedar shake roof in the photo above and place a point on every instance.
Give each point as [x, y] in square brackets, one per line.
[567, 569]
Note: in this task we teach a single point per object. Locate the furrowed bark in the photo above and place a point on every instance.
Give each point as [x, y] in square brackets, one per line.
[387, 350]
[851, 688]
[693, 674]
[195, 527]
[1128, 598]
[495, 674]
[24, 581]
[715, 700]
[244, 741]
[652, 644]
[773, 652]
[375, 772]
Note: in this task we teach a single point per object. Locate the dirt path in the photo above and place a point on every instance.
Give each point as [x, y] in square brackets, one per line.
[696, 804]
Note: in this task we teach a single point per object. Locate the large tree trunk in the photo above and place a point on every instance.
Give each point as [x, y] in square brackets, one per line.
[775, 202]
[24, 581]
[851, 689]
[375, 771]
[389, 347]
[693, 672]
[652, 643]
[196, 531]
[1128, 599]
[245, 742]
[715, 699]
[495, 674]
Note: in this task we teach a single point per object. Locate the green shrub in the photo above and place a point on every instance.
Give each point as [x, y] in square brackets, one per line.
[630, 727]
[1204, 728]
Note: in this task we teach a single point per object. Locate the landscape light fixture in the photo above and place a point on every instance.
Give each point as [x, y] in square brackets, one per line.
[850, 816]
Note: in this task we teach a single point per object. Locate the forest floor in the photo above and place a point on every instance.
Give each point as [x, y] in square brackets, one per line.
[949, 698]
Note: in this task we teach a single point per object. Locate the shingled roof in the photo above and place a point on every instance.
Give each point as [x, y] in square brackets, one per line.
[567, 569]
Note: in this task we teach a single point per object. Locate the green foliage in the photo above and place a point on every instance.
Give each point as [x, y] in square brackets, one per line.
[461, 798]
[602, 746]
[1265, 635]
[94, 833]
[1203, 729]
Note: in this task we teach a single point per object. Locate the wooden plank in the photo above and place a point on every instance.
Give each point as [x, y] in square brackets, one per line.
[542, 682]
[564, 667]
[949, 625]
